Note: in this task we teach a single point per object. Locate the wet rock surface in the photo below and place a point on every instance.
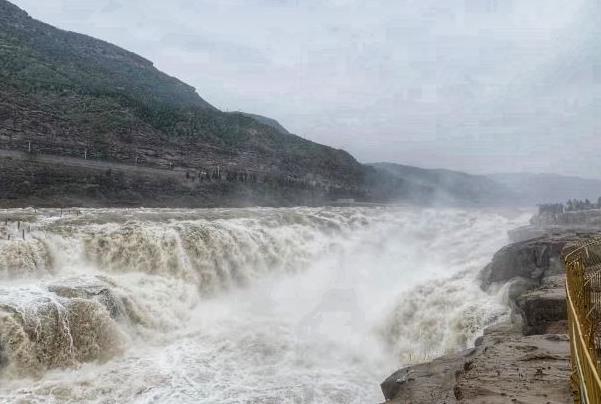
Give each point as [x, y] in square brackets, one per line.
[505, 367]
[63, 325]
[430, 382]
[510, 367]
[544, 308]
[101, 290]
[533, 259]
[523, 360]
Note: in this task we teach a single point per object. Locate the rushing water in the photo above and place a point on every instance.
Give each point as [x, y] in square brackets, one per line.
[302, 305]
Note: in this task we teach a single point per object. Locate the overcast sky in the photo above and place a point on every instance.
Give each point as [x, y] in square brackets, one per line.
[475, 85]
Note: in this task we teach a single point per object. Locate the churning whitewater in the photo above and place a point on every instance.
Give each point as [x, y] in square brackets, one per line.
[304, 305]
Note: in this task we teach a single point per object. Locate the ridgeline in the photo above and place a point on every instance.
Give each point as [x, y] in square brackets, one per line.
[86, 123]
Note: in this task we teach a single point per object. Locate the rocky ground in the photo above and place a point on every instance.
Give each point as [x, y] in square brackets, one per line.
[505, 367]
[523, 360]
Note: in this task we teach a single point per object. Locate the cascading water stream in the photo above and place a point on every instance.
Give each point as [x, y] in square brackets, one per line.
[238, 305]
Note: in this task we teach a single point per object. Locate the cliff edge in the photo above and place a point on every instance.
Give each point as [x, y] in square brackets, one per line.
[523, 360]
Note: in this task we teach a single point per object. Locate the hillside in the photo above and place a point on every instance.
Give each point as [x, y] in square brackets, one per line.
[69, 95]
[267, 121]
[438, 186]
[549, 188]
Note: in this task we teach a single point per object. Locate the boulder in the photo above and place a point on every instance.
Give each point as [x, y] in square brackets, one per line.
[426, 382]
[532, 259]
[544, 309]
[102, 290]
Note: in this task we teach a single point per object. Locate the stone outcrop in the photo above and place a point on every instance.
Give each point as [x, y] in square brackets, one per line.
[430, 382]
[544, 308]
[75, 322]
[530, 260]
[101, 290]
[504, 367]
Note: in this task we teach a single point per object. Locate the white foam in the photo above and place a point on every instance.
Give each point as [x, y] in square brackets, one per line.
[249, 305]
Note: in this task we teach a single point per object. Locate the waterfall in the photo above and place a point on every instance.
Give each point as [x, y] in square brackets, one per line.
[237, 305]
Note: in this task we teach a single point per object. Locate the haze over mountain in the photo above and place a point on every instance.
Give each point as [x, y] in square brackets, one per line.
[88, 123]
[424, 83]
[515, 189]
[447, 186]
[549, 188]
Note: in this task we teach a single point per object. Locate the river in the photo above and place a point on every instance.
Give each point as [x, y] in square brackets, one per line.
[300, 305]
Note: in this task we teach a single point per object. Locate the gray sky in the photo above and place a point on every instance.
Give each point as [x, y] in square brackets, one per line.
[474, 85]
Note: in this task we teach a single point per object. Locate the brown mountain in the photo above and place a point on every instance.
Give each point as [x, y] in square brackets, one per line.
[86, 122]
